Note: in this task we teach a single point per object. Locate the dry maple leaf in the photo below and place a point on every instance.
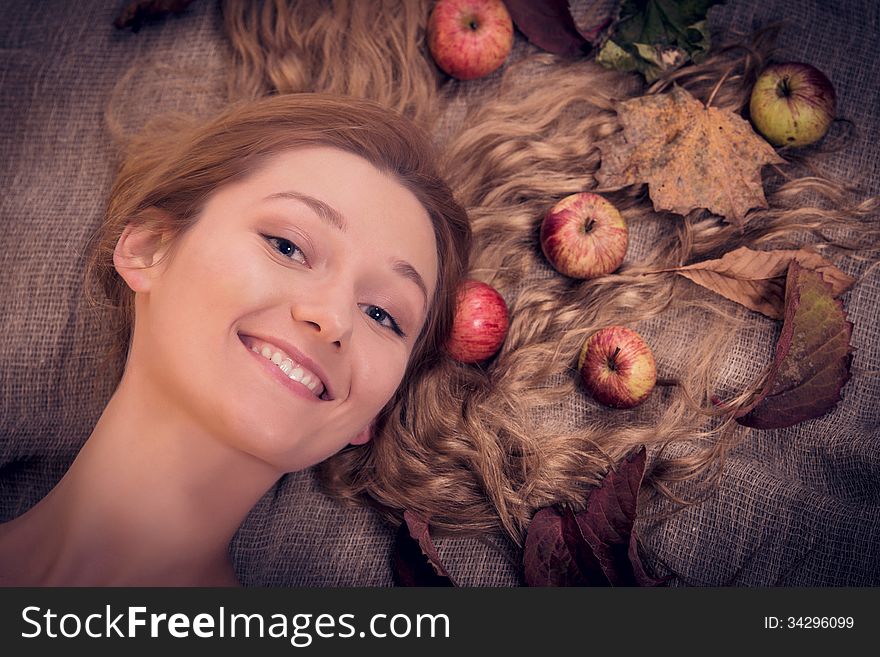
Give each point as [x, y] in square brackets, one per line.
[756, 279]
[691, 156]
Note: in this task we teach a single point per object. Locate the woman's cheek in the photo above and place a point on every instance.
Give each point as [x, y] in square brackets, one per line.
[241, 277]
[391, 377]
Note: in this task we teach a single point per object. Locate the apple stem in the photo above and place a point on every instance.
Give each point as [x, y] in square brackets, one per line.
[612, 364]
[589, 225]
[784, 88]
[473, 24]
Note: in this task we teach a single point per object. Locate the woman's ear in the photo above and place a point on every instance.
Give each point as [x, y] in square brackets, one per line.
[364, 436]
[137, 252]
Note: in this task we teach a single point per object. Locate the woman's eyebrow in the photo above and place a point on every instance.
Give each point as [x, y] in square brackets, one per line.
[327, 213]
[406, 270]
[332, 217]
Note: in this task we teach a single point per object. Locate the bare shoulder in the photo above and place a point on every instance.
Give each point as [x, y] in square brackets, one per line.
[12, 552]
[222, 575]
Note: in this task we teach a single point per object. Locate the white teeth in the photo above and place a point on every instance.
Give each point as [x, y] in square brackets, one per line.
[289, 367]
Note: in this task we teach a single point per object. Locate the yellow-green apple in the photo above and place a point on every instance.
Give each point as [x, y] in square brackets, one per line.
[792, 104]
[617, 367]
[480, 323]
[469, 38]
[584, 236]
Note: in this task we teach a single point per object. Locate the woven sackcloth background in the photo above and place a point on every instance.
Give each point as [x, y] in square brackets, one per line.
[796, 507]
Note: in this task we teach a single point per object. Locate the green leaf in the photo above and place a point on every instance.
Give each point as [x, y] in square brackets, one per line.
[699, 37]
[613, 56]
[658, 36]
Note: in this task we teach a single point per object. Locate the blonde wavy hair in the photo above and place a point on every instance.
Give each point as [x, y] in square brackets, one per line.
[370, 50]
[481, 448]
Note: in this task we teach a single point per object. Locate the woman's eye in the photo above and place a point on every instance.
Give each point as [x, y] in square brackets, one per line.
[381, 316]
[287, 248]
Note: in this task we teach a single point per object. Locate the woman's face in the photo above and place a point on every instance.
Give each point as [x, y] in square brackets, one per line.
[318, 261]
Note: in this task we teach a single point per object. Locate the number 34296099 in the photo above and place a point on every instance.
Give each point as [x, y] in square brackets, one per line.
[808, 622]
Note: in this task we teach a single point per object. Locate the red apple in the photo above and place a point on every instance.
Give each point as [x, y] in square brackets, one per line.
[792, 104]
[584, 236]
[617, 367]
[469, 38]
[480, 323]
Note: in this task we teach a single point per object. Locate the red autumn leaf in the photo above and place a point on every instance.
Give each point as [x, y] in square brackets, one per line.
[589, 567]
[607, 524]
[549, 25]
[415, 559]
[813, 356]
[137, 12]
[597, 546]
[548, 557]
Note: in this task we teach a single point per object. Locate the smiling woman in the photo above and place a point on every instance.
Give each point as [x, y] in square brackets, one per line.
[252, 335]
[277, 274]
[322, 296]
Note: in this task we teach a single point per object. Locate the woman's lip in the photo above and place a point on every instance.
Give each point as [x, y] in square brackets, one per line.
[298, 356]
[275, 372]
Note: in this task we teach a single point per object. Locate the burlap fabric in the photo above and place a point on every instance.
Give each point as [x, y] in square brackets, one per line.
[799, 506]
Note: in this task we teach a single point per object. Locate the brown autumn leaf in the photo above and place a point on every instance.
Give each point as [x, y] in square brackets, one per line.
[813, 356]
[756, 279]
[691, 156]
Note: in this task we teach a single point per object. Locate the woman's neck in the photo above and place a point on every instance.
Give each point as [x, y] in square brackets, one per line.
[150, 500]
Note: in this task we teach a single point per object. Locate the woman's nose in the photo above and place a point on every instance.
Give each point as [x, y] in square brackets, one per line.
[328, 310]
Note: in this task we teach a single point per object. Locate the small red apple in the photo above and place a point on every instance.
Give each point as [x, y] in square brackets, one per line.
[792, 104]
[470, 38]
[584, 236]
[480, 323]
[617, 367]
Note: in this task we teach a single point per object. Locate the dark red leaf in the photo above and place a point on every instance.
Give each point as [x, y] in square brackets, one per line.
[589, 567]
[549, 25]
[607, 523]
[547, 557]
[597, 546]
[137, 12]
[415, 559]
[642, 577]
[813, 356]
